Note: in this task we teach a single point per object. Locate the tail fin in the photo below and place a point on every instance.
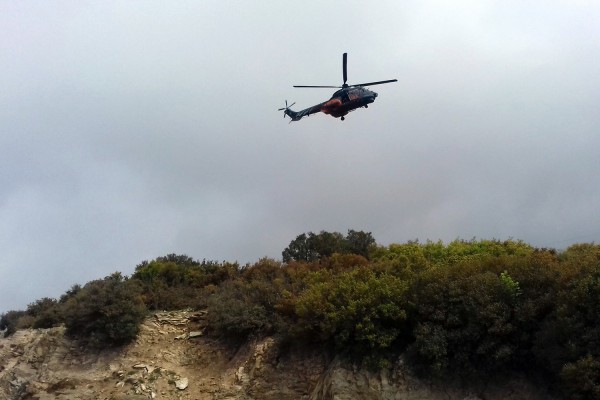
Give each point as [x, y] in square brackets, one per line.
[292, 114]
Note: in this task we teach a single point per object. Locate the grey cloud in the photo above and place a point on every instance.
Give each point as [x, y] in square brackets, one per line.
[130, 132]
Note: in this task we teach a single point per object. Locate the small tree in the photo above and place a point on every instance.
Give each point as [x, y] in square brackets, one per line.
[9, 321]
[300, 249]
[359, 242]
[311, 247]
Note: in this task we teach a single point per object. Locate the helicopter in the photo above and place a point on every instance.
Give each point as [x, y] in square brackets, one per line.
[343, 101]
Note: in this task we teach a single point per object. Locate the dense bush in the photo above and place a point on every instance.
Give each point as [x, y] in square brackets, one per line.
[582, 378]
[485, 314]
[43, 313]
[465, 319]
[10, 322]
[568, 342]
[247, 305]
[233, 314]
[420, 255]
[105, 312]
[177, 281]
[358, 310]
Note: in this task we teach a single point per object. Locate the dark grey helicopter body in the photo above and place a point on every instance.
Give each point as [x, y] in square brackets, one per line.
[343, 101]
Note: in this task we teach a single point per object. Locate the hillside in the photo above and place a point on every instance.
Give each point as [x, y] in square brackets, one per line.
[467, 314]
[168, 361]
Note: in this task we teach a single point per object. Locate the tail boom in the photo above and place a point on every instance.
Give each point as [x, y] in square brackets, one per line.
[298, 115]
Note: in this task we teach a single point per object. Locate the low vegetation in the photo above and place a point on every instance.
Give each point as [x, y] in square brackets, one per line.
[469, 308]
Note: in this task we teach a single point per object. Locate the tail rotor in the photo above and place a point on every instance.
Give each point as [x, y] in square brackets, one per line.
[286, 108]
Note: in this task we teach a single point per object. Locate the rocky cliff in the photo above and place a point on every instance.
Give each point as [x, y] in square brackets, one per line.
[172, 359]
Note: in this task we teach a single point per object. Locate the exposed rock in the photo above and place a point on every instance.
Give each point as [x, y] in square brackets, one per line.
[45, 365]
[181, 384]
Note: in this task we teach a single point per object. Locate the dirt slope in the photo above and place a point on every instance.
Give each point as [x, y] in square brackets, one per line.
[171, 359]
[167, 361]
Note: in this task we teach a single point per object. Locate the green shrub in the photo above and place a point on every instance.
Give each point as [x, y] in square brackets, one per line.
[358, 310]
[46, 313]
[249, 304]
[572, 331]
[177, 281]
[464, 320]
[581, 379]
[234, 313]
[105, 312]
[9, 321]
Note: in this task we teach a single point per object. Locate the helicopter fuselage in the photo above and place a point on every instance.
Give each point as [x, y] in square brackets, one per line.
[347, 99]
[341, 103]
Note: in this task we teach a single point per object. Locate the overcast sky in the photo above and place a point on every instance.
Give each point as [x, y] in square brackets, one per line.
[134, 129]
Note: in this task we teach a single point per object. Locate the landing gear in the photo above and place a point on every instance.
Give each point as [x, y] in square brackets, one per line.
[342, 118]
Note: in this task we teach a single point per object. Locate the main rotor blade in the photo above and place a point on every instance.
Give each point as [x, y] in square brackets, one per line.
[344, 63]
[304, 86]
[376, 83]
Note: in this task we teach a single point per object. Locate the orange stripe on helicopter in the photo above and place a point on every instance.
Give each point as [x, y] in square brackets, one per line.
[330, 106]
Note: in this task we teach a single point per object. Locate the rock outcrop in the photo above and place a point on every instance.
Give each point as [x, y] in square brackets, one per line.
[172, 359]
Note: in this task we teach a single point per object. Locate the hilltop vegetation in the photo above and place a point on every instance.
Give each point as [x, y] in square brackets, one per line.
[468, 308]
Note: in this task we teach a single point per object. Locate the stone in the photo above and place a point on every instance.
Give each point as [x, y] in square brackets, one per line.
[182, 336]
[181, 384]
